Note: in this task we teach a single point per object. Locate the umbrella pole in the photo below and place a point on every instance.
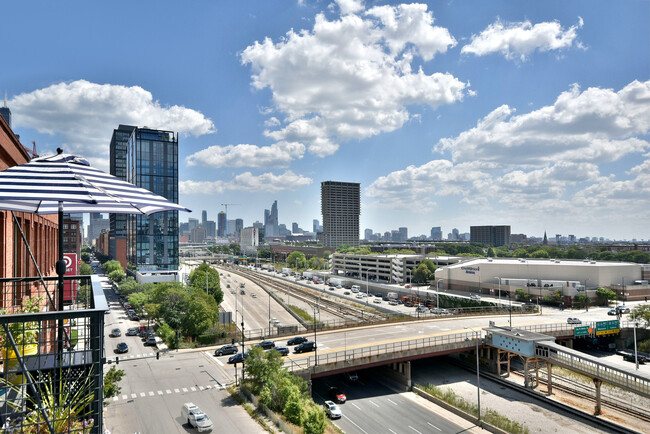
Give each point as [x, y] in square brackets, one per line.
[60, 270]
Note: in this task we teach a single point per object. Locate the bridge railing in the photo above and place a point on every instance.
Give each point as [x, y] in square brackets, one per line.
[393, 347]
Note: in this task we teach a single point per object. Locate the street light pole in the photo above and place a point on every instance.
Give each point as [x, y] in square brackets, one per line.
[315, 341]
[478, 377]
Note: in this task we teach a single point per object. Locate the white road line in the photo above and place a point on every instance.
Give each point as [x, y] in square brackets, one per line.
[434, 426]
[151, 393]
[193, 389]
[391, 401]
[355, 405]
[415, 429]
[133, 396]
[392, 431]
[208, 387]
[160, 392]
[116, 398]
[168, 392]
[142, 394]
[352, 422]
[373, 403]
[125, 397]
[201, 387]
[220, 362]
[177, 391]
[185, 389]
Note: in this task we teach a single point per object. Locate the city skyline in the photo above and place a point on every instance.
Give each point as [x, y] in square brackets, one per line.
[450, 115]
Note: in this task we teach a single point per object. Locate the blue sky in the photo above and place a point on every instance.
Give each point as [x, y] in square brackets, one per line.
[532, 114]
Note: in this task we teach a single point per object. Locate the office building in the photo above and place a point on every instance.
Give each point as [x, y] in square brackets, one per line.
[222, 225]
[271, 227]
[152, 163]
[492, 235]
[97, 224]
[403, 234]
[117, 150]
[204, 217]
[249, 240]
[367, 234]
[198, 234]
[210, 229]
[341, 207]
[436, 233]
[5, 112]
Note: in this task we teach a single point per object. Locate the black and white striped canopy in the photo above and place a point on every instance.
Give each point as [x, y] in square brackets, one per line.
[40, 185]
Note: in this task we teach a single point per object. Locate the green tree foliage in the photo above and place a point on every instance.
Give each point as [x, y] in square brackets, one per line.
[605, 294]
[138, 300]
[296, 259]
[346, 248]
[201, 312]
[491, 253]
[85, 269]
[198, 281]
[294, 409]
[172, 307]
[113, 265]
[85, 256]
[520, 253]
[581, 300]
[112, 380]
[264, 253]
[642, 314]
[540, 254]
[117, 275]
[314, 422]
[521, 294]
[430, 265]
[262, 366]
[421, 273]
[129, 286]
[317, 263]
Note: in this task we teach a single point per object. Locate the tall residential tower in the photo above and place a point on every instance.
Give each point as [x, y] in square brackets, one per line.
[341, 207]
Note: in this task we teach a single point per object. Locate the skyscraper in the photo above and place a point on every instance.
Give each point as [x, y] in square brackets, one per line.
[341, 207]
[118, 151]
[222, 224]
[5, 112]
[436, 233]
[204, 218]
[403, 234]
[152, 163]
[494, 235]
[317, 228]
[367, 234]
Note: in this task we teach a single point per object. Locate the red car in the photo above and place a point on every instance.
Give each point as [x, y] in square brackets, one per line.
[336, 395]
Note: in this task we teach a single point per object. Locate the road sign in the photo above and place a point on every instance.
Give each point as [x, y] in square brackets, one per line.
[582, 331]
[607, 327]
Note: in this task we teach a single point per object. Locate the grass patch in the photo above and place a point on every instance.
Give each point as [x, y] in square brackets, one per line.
[302, 313]
[249, 409]
[489, 416]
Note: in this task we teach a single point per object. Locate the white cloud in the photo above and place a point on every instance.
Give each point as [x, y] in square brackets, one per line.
[519, 40]
[277, 155]
[351, 78]
[86, 113]
[247, 182]
[597, 125]
[349, 6]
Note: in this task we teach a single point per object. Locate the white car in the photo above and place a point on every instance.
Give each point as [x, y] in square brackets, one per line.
[377, 300]
[332, 410]
[475, 297]
[360, 295]
[573, 321]
[196, 418]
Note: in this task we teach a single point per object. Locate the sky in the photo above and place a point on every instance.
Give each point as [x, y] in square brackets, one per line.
[533, 114]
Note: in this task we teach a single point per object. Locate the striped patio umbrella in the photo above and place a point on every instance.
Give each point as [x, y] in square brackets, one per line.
[65, 183]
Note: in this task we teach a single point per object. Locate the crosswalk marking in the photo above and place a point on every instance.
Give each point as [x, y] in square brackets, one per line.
[116, 398]
[193, 389]
[133, 396]
[125, 397]
[184, 389]
[151, 393]
[160, 392]
[200, 387]
[142, 394]
[176, 391]
[168, 391]
[196, 388]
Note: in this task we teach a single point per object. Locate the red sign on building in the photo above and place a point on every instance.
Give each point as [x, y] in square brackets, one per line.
[71, 269]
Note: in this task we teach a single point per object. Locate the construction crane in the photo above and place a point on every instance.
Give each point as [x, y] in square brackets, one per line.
[226, 205]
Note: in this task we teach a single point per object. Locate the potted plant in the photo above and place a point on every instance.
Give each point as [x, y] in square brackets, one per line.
[25, 335]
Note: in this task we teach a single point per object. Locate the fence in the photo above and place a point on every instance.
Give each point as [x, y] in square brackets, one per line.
[52, 360]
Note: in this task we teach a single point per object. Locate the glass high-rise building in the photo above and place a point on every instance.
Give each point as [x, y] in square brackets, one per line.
[341, 207]
[152, 163]
[117, 230]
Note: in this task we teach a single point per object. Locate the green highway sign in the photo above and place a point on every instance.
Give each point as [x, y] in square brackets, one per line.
[582, 331]
[607, 327]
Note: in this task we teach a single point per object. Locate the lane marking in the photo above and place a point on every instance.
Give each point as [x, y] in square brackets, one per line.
[352, 422]
[355, 405]
[220, 362]
[415, 429]
[193, 389]
[133, 396]
[185, 389]
[434, 426]
[373, 403]
[125, 397]
[177, 391]
[151, 393]
[392, 431]
[160, 392]
[391, 401]
[168, 391]
[142, 394]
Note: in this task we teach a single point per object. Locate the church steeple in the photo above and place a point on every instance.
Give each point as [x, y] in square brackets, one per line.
[545, 242]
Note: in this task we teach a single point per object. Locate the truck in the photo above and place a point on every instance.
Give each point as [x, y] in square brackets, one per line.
[392, 296]
[286, 271]
[307, 274]
[335, 281]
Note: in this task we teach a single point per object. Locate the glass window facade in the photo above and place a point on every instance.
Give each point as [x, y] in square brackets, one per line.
[152, 163]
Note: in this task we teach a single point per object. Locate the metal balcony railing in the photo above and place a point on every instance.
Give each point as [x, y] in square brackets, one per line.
[51, 361]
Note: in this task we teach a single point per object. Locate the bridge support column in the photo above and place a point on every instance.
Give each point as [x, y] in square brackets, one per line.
[597, 383]
[549, 381]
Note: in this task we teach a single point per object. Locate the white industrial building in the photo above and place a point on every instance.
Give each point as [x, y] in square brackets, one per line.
[542, 277]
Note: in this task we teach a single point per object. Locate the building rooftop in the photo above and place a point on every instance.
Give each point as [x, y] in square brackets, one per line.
[522, 335]
[541, 262]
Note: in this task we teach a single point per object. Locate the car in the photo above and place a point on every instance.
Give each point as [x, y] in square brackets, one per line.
[309, 281]
[623, 309]
[253, 295]
[385, 299]
[436, 311]
[122, 347]
[407, 286]
[297, 340]
[377, 300]
[332, 410]
[233, 290]
[226, 349]
[115, 333]
[355, 290]
[408, 304]
[331, 288]
[352, 376]
[612, 312]
[346, 293]
[336, 395]
[393, 303]
[133, 331]
[237, 358]
[422, 308]
[360, 295]
[378, 294]
[305, 347]
[339, 287]
[284, 351]
[630, 358]
[228, 286]
[475, 297]
[196, 418]
[266, 345]
[573, 321]
[151, 341]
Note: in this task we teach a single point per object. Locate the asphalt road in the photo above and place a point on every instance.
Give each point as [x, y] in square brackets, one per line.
[372, 407]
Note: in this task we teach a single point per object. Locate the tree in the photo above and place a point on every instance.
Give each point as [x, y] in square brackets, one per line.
[113, 265]
[641, 313]
[85, 256]
[296, 259]
[491, 253]
[85, 269]
[201, 312]
[421, 273]
[198, 277]
[430, 265]
[294, 409]
[521, 294]
[581, 300]
[172, 307]
[540, 254]
[138, 300]
[262, 367]
[314, 422]
[605, 294]
[117, 275]
[111, 382]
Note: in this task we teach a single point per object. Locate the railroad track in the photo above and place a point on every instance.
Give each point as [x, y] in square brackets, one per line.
[583, 391]
[336, 308]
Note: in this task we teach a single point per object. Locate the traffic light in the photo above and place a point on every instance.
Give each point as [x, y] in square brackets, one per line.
[117, 360]
[157, 355]
[233, 339]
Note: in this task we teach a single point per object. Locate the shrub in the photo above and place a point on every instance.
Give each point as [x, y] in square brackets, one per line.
[314, 422]
[294, 409]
